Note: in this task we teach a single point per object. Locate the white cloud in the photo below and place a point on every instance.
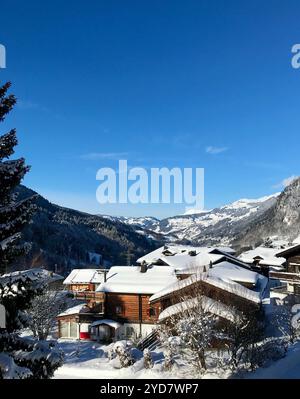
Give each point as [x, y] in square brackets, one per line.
[215, 150]
[30, 105]
[94, 156]
[285, 182]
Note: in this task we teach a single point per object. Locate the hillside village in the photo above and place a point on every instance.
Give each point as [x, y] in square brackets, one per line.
[131, 312]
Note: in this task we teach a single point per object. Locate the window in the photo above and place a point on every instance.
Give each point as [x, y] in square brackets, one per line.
[73, 329]
[64, 329]
[152, 312]
[119, 309]
[130, 332]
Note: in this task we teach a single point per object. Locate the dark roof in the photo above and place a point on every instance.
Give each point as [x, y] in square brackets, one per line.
[289, 251]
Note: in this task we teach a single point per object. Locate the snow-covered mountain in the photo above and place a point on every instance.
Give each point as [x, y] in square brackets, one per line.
[219, 225]
[144, 222]
[216, 226]
[243, 223]
[280, 222]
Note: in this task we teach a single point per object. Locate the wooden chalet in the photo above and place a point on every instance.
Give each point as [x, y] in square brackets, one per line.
[263, 259]
[84, 280]
[291, 272]
[127, 291]
[226, 285]
[75, 322]
[130, 300]
[292, 257]
[182, 257]
[119, 306]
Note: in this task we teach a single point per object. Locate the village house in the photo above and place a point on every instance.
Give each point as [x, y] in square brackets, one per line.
[182, 256]
[84, 282]
[291, 272]
[129, 301]
[76, 321]
[119, 306]
[263, 260]
[225, 288]
[127, 291]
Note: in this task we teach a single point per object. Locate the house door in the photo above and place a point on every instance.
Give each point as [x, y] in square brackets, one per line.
[104, 332]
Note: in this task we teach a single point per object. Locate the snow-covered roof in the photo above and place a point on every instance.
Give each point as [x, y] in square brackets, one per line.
[35, 274]
[185, 261]
[74, 310]
[222, 281]
[227, 270]
[290, 250]
[111, 323]
[130, 279]
[184, 257]
[85, 276]
[268, 256]
[208, 305]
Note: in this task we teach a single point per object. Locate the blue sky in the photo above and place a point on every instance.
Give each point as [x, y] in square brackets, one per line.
[187, 84]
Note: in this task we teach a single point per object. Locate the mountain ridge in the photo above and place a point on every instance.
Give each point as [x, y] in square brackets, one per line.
[63, 236]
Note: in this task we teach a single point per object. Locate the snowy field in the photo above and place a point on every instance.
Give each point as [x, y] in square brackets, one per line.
[87, 360]
[286, 368]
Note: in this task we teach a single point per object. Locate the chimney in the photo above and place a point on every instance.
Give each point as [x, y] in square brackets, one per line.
[143, 267]
[105, 273]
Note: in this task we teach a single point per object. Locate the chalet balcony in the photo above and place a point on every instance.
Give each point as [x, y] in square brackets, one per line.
[286, 276]
[89, 296]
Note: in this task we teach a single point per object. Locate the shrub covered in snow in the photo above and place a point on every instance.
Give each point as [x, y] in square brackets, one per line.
[189, 333]
[148, 361]
[124, 356]
[28, 358]
[120, 354]
[169, 360]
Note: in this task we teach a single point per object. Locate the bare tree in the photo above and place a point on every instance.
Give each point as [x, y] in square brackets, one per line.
[202, 323]
[42, 313]
[194, 326]
[242, 336]
[286, 323]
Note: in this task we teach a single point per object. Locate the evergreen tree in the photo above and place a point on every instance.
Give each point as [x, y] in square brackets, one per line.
[19, 357]
[14, 214]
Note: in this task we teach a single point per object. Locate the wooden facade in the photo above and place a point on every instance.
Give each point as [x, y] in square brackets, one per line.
[208, 290]
[291, 275]
[292, 256]
[129, 308]
[82, 287]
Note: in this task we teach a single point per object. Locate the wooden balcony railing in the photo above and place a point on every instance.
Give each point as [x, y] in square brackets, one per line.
[89, 295]
[286, 276]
